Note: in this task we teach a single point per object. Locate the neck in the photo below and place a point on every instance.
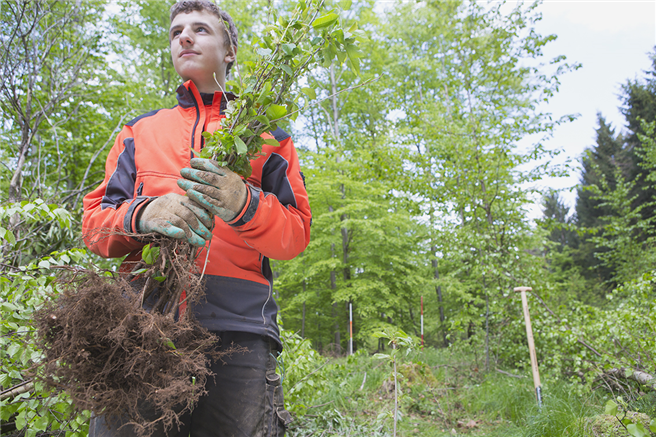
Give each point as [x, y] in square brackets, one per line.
[216, 83]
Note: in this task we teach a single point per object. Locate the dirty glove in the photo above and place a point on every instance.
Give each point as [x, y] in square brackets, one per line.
[178, 217]
[217, 189]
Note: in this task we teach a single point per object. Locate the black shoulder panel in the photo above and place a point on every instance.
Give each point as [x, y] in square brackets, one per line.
[275, 181]
[120, 186]
[135, 120]
[279, 135]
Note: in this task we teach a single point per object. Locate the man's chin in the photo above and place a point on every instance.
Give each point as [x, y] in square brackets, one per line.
[192, 75]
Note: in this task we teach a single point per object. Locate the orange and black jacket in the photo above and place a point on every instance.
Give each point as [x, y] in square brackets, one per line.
[145, 162]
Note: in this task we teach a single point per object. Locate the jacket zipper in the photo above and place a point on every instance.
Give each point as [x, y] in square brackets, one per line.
[193, 132]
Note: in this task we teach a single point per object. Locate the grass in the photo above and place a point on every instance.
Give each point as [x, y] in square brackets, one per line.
[445, 394]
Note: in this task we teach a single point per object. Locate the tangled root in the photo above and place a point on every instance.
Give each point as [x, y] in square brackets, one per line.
[110, 355]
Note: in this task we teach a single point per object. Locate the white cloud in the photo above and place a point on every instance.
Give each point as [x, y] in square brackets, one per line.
[605, 16]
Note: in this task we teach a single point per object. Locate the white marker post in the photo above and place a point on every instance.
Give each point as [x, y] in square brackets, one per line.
[350, 329]
[531, 344]
[422, 321]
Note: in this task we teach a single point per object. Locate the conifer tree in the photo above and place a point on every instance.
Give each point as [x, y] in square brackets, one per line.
[640, 105]
[599, 161]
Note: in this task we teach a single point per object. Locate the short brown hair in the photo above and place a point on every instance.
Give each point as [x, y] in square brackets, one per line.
[231, 35]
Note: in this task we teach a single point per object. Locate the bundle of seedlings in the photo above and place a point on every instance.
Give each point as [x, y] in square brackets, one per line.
[269, 91]
[116, 343]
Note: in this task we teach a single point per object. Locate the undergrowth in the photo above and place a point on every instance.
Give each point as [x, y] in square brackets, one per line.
[444, 393]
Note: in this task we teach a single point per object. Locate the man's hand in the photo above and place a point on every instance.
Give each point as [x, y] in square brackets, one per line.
[176, 216]
[215, 188]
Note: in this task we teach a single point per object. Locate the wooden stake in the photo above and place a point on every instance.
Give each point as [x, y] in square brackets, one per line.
[531, 344]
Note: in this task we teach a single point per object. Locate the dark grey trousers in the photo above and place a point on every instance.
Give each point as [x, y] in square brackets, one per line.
[245, 398]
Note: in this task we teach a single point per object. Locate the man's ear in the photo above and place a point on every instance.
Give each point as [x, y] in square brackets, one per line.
[231, 55]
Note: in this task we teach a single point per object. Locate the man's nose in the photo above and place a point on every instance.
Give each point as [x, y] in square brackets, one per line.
[185, 38]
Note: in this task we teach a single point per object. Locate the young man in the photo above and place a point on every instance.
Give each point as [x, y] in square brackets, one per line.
[267, 216]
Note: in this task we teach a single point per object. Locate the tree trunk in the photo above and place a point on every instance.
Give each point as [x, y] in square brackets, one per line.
[438, 290]
[487, 328]
[303, 319]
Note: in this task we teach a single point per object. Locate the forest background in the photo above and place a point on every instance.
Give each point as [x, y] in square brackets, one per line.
[418, 187]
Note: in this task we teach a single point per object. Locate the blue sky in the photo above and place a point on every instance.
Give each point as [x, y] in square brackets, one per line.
[612, 40]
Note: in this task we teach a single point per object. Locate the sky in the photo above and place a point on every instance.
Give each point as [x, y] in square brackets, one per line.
[612, 40]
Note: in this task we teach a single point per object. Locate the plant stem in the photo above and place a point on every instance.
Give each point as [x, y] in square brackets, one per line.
[396, 397]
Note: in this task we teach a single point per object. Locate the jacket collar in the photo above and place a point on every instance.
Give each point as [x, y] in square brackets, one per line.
[189, 97]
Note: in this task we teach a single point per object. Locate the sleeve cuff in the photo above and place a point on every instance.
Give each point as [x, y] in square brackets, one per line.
[130, 220]
[247, 214]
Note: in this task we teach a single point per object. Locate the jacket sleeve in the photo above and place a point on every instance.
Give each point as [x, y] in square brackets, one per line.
[111, 209]
[276, 218]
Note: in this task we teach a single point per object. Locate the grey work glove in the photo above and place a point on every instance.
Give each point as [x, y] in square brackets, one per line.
[217, 189]
[176, 216]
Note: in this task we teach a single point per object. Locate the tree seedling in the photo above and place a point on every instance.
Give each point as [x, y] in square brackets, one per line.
[397, 339]
[632, 425]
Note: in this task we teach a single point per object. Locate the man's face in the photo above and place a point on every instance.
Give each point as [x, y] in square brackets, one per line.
[198, 49]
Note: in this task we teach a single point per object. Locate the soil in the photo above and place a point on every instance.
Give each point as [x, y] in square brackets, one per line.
[109, 353]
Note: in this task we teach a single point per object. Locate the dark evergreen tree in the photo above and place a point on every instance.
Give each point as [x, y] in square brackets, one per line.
[640, 105]
[556, 213]
[600, 162]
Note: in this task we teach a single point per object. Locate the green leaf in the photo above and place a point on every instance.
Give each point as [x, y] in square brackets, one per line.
[275, 112]
[262, 119]
[264, 52]
[40, 424]
[288, 48]
[652, 425]
[44, 264]
[355, 65]
[154, 253]
[138, 272]
[346, 4]
[309, 92]
[611, 408]
[20, 420]
[287, 70]
[233, 85]
[353, 51]
[636, 429]
[159, 278]
[354, 55]
[241, 146]
[272, 142]
[6, 306]
[5, 380]
[325, 21]
[145, 254]
[168, 342]
[14, 350]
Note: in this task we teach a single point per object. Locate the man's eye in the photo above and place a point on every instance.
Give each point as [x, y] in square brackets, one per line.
[201, 29]
[175, 33]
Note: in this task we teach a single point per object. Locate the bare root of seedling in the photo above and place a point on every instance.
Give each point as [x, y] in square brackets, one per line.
[110, 355]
